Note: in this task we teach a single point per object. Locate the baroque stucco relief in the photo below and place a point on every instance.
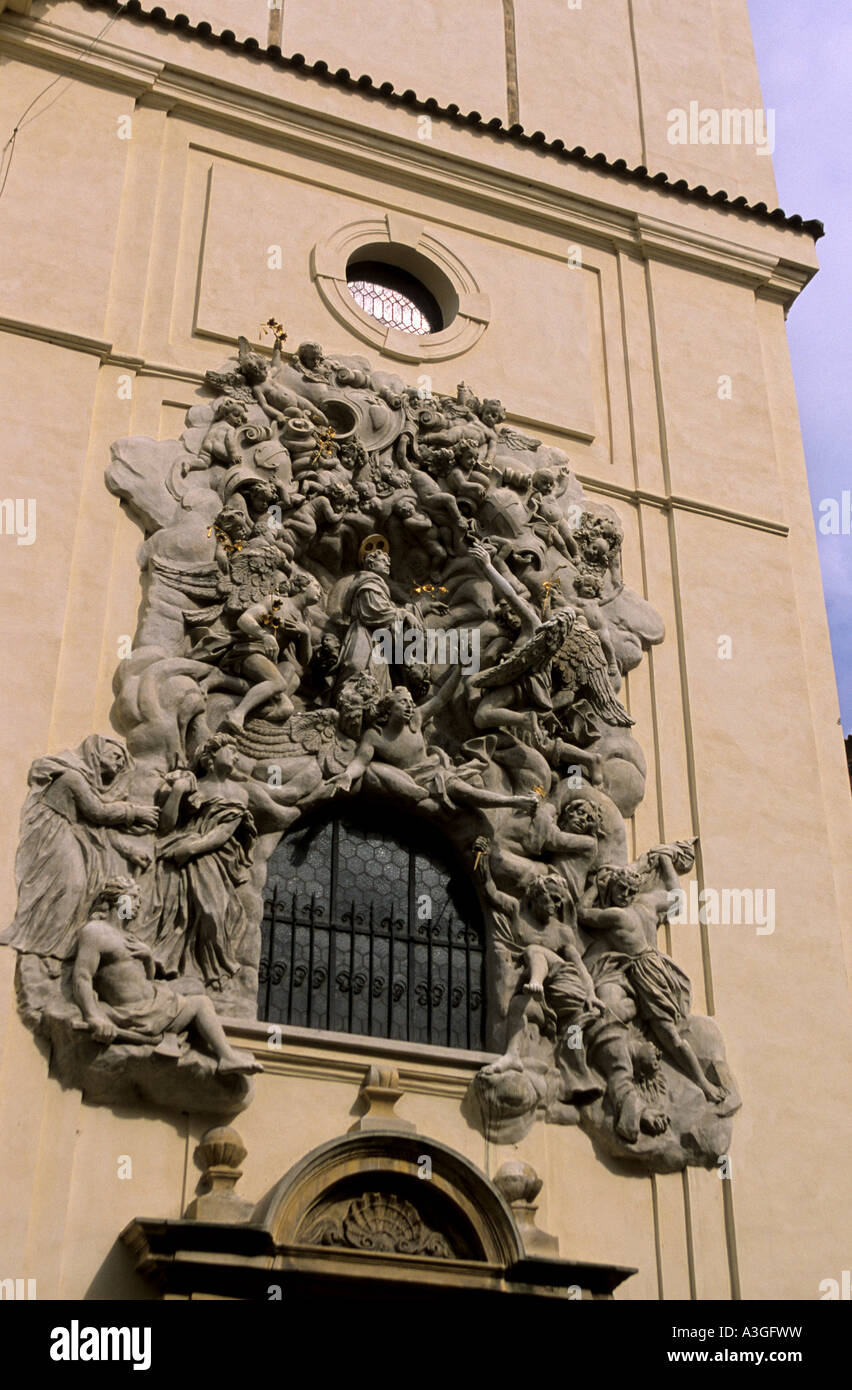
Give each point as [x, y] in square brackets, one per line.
[319, 546]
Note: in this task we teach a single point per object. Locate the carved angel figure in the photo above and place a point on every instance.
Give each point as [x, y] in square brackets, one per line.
[567, 642]
[221, 442]
[255, 381]
[393, 756]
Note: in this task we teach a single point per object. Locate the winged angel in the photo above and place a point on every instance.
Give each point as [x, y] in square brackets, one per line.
[567, 643]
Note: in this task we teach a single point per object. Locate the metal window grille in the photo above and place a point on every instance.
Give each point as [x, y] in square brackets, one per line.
[389, 306]
[366, 933]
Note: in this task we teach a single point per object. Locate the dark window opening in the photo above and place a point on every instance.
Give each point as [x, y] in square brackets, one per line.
[394, 297]
[369, 927]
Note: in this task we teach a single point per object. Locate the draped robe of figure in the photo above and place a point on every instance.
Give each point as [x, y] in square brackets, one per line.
[65, 852]
[200, 919]
[369, 607]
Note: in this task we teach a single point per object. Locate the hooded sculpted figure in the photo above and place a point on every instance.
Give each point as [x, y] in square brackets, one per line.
[69, 842]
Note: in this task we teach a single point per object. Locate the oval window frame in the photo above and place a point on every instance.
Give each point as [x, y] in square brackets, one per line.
[405, 243]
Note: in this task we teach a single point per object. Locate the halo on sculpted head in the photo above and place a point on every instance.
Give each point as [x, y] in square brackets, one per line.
[371, 543]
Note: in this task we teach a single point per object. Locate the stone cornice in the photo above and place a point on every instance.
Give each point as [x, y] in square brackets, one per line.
[120, 68]
[382, 155]
[495, 127]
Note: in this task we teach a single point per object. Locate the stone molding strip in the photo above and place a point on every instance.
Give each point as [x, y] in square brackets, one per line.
[423, 1069]
[515, 133]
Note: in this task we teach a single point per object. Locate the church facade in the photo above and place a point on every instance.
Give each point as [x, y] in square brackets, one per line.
[427, 836]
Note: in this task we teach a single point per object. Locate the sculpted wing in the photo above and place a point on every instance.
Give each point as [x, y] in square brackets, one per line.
[532, 656]
[312, 730]
[513, 439]
[230, 384]
[581, 660]
[302, 734]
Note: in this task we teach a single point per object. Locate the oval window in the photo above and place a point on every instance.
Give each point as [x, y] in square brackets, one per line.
[394, 297]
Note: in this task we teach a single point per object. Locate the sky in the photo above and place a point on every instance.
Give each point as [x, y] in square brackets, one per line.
[804, 56]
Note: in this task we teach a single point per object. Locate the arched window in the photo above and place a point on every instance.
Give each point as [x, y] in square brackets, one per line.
[370, 927]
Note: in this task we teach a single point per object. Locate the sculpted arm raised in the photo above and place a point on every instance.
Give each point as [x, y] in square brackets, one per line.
[601, 918]
[442, 697]
[530, 621]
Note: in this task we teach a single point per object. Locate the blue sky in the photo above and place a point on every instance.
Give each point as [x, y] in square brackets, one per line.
[804, 55]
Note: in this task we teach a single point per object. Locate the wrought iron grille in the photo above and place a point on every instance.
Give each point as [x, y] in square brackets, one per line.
[389, 306]
[367, 929]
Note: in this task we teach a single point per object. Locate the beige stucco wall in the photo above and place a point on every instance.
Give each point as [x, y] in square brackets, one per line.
[141, 259]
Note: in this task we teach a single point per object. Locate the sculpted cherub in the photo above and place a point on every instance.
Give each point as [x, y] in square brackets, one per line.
[547, 518]
[310, 361]
[323, 511]
[599, 538]
[274, 398]
[453, 424]
[586, 597]
[231, 529]
[457, 467]
[114, 985]
[395, 511]
[243, 487]
[220, 445]
[632, 976]
[440, 506]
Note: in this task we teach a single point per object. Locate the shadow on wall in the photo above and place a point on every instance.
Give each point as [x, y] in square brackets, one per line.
[117, 1279]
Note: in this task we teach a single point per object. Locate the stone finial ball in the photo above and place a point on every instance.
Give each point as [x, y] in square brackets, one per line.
[517, 1182]
[220, 1147]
